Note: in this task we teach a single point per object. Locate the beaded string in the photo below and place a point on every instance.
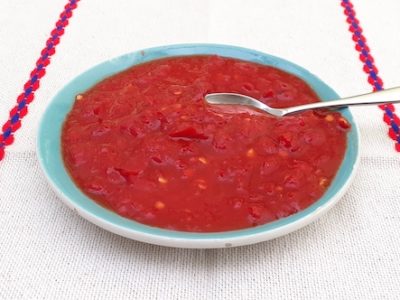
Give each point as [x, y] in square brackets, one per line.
[370, 68]
[19, 111]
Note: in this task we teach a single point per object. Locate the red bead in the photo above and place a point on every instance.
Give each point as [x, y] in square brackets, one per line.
[27, 84]
[6, 126]
[21, 97]
[23, 112]
[61, 23]
[42, 61]
[41, 73]
[48, 52]
[364, 58]
[65, 14]
[349, 13]
[35, 86]
[392, 134]
[1, 153]
[56, 41]
[355, 38]
[16, 126]
[9, 140]
[13, 111]
[57, 32]
[368, 69]
[34, 72]
[60, 32]
[362, 38]
[371, 80]
[44, 52]
[390, 106]
[29, 98]
[386, 119]
[46, 62]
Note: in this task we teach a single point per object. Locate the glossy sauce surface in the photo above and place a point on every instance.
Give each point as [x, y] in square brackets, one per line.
[144, 144]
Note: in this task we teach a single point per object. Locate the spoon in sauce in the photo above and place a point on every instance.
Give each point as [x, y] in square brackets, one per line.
[381, 97]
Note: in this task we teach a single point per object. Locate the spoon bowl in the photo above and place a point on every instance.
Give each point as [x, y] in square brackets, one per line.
[239, 99]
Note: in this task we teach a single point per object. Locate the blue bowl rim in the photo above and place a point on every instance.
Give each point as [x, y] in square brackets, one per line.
[99, 215]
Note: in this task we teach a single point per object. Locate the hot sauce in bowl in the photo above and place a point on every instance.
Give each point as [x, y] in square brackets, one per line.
[144, 144]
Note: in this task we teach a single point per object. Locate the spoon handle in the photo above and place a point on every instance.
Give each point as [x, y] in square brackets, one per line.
[386, 96]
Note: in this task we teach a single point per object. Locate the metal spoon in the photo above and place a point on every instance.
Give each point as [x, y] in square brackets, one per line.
[381, 97]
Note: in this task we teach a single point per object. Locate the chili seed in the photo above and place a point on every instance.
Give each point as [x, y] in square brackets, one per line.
[159, 205]
[203, 160]
[162, 180]
[250, 153]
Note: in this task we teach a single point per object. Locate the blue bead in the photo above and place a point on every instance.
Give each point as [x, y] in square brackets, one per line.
[34, 79]
[15, 118]
[7, 133]
[395, 127]
[373, 75]
[28, 91]
[378, 86]
[22, 104]
[389, 112]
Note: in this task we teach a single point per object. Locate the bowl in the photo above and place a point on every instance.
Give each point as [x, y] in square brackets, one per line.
[50, 158]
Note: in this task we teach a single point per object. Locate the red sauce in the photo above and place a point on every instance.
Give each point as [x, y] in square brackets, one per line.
[144, 144]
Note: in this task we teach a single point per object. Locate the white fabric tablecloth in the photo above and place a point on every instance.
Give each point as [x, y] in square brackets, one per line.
[47, 251]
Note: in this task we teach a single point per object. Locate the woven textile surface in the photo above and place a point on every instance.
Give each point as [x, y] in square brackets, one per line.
[47, 251]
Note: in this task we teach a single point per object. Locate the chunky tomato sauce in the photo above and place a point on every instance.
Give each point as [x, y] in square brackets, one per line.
[144, 144]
